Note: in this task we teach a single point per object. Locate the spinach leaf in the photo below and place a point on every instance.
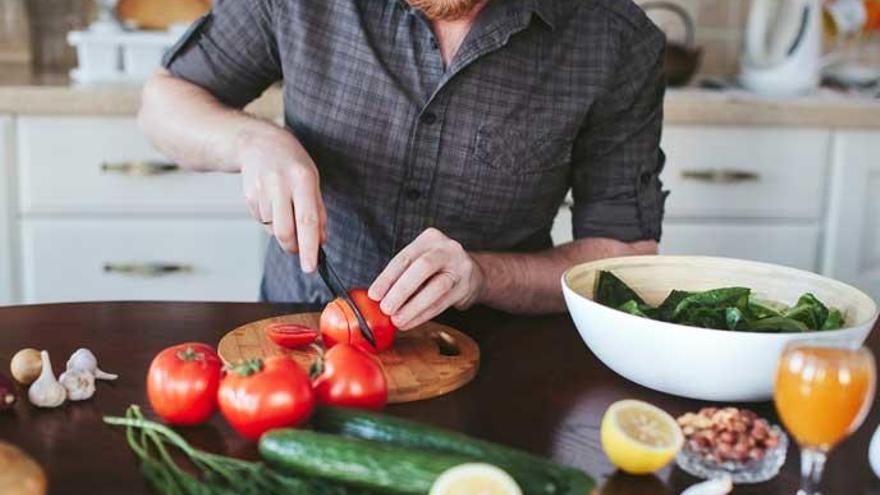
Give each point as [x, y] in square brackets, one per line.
[764, 309]
[715, 298]
[633, 308]
[728, 308]
[809, 311]
[834, 320]
[734, 317]
[664, 311]
[778, 324]
[613, 292]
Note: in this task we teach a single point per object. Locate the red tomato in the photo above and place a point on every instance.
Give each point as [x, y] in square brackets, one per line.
[291, 335]
[182, 383]
[261, 395]
[339, 324]
[351, 378]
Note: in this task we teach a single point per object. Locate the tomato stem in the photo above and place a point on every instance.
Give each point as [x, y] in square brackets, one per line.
[249, 367]
[190, 354]
[317, 367]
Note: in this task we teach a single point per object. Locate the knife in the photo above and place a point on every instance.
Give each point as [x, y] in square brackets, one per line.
[334, 283]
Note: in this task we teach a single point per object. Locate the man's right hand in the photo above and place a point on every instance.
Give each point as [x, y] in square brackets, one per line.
[281, 185]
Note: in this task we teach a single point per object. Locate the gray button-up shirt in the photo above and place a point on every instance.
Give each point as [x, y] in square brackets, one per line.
[543, 96]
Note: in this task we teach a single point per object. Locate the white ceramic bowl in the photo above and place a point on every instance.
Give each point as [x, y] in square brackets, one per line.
[695, 362]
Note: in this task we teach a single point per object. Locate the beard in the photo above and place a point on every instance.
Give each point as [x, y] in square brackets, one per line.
[445, 10]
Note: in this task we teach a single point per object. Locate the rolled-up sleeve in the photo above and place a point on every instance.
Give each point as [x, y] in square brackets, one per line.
[232, 52]
[617, 160]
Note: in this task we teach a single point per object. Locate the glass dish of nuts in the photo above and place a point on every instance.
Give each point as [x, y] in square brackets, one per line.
[731, 442]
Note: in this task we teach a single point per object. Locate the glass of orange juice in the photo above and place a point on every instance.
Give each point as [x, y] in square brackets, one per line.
[823, 392]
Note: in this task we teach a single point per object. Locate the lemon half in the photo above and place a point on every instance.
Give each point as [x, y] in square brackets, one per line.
[638, 437]
[475, 479]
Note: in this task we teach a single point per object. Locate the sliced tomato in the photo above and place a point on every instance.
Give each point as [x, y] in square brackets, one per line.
[339, 324]
[291, 335]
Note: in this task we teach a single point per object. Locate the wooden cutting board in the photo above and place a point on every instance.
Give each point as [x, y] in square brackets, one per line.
[425, 362]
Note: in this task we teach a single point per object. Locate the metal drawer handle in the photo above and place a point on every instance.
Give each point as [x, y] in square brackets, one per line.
[146, 269]
[140, 168]
[721, 176]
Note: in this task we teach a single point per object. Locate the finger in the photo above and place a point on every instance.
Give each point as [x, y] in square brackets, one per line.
[322, 211]
[380, 287]
[412, 279]
[306, 201]
[253, 205]
[282, 218]
[416, 310]
[264, 206]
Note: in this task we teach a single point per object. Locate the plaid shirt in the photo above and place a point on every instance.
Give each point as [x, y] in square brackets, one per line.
[542, 97]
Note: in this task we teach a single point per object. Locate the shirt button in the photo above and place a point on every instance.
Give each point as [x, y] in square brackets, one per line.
[413, 194]
[429, 118]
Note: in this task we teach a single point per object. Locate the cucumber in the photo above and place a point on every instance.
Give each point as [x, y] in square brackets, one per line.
[359, 463]
[536, 475]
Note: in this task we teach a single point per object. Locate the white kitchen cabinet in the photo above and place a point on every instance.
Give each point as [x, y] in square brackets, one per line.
[752, 193]
[96, 213]
[7, 276]
[104, 165]
[853, 226]
[194, 259]
[786, 244]
[738, 172]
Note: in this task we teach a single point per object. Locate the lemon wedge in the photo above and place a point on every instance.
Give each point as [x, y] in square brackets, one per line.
[475, 479]
[639, 438]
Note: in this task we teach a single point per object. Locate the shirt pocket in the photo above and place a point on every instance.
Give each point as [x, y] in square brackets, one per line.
[520, 151]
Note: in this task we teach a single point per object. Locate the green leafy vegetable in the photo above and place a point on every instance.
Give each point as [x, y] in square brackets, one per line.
[728, 308]
[614, 292]
[214, 474]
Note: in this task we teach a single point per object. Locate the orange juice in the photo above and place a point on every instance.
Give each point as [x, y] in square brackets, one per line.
[823, 394]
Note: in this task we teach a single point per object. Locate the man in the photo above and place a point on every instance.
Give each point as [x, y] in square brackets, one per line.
[428, 143]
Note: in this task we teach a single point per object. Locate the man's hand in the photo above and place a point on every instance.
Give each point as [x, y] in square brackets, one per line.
[427, 277]
[281, 185]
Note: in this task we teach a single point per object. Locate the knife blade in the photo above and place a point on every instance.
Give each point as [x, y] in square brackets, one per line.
[337, 288]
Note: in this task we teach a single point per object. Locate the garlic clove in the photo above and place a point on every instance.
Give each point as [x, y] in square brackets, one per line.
[80, 384]
[715, 486]
[84, 359]
[46, 391]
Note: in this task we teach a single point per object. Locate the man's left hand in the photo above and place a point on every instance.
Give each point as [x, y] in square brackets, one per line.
[427, 277]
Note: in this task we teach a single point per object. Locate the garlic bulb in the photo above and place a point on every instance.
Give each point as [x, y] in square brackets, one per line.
[80, 384]
[46, 391]
[84, 359]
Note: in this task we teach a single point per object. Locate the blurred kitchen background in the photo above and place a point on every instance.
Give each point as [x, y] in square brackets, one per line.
[772, 136]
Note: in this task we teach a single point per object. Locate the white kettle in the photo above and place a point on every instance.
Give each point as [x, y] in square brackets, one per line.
[783, 47]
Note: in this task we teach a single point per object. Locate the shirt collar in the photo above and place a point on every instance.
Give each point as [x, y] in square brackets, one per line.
[546, 10]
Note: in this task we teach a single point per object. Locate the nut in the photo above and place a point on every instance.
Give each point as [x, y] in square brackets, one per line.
[728, 434]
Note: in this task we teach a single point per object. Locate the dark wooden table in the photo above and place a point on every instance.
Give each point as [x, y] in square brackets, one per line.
[539, 389]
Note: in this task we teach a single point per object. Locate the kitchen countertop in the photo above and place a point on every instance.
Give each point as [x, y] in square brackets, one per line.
[52, 94]
[539, 389]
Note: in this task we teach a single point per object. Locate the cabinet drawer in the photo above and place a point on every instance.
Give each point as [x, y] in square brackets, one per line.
[82, 260]
[732, 172]
[105, 165]
[791, 245]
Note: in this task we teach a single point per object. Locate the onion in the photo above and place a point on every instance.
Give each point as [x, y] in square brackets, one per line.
[19, 474]
[26, 366]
